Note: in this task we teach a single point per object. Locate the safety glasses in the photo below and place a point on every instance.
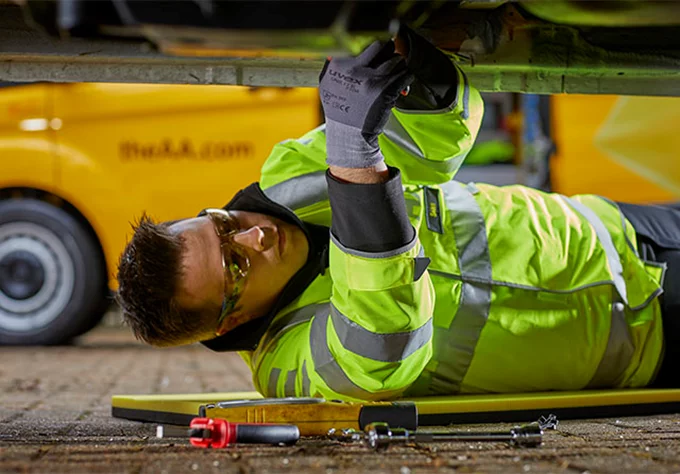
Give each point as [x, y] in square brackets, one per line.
[235, 262]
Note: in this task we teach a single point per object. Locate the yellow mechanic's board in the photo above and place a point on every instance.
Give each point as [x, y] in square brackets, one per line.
[431, 411]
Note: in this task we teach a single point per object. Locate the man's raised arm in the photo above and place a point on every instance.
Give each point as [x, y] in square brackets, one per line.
[378, 335]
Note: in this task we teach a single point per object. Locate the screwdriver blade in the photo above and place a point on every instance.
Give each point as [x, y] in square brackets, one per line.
[163, 431]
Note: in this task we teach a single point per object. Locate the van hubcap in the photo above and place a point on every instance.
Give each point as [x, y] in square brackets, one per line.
[21, 275]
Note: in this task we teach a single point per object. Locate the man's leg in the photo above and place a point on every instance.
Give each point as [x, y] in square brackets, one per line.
[669, 375]
[658, 236]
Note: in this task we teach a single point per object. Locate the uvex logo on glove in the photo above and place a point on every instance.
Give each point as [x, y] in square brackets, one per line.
[347, 81]
[358, 95]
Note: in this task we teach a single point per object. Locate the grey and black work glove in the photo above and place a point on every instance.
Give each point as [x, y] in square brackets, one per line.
[357, 95]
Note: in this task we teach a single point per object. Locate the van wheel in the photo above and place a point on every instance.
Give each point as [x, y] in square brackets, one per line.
[51, 274]
[98, 313]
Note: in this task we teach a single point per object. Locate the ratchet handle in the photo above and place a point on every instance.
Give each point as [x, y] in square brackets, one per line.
[219, 433]
[267, 433]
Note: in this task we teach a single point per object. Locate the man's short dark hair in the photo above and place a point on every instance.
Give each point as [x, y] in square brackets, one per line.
[149, 273]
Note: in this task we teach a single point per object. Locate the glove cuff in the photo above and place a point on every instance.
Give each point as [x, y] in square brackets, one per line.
[348, 147]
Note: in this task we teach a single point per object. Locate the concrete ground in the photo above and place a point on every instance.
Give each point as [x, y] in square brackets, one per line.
[55, 417]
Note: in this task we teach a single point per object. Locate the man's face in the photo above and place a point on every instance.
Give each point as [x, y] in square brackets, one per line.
[276, 250]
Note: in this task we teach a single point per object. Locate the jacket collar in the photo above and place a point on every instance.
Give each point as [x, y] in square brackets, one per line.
[247, 336]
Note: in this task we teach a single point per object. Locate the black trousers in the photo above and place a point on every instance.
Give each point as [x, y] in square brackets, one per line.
[658, 238]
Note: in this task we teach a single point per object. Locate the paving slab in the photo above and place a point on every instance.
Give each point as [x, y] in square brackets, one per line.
[55, 417]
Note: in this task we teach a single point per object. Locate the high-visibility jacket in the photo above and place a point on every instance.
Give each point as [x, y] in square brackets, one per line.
[525, 291]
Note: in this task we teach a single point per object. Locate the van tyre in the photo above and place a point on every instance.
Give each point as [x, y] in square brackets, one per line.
[105, 304]
[52, 276]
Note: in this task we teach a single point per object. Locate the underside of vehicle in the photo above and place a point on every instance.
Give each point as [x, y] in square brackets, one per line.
[603, 47]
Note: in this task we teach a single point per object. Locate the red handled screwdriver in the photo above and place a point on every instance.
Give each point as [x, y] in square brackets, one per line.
[219, 433]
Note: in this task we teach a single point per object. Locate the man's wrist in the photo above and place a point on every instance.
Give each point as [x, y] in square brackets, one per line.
[378, 173]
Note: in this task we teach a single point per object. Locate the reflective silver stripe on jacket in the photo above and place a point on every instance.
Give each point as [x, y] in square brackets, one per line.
[279, 327]
[326, 365]
[386, 254]
[305, 380]
[624, 224]
[466, 97]
[289, 387]
[388, 347]
[300, 191]
[618, 353]
[273, 382]
[398, 135]
[455, 346]
[290, 320]
[607, 243]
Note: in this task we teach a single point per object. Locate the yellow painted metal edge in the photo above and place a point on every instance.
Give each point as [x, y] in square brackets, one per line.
[184, 403]
[189, 403]
[543, 400]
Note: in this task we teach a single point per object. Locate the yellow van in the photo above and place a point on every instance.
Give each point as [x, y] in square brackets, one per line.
[81, 161]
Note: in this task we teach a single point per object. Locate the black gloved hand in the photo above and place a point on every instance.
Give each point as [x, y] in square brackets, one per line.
[436, 77]
[357, 95]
